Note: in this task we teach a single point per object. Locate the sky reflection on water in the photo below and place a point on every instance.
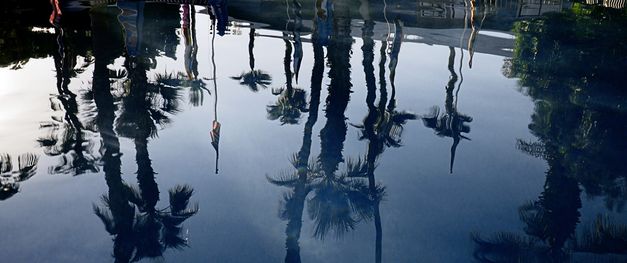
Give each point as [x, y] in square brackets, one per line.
[313, 132]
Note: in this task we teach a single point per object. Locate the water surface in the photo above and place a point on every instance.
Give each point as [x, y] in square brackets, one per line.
[323, 131]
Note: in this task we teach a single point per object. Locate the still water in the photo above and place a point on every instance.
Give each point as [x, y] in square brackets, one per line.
[321, 131]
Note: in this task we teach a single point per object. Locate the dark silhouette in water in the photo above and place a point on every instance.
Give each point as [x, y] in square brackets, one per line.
[197, 87]
[255, 78]
[375, 145]
[188, 79]
[578, 137]
[451, 123]
[300, 181]
[140, 229]
[120, 215]
[549, 223]
[383, 125]
[67, 136]
[333, 134]
[338, 201]
[10, 179]
[387, 119]
[148, 105]
[585, 120]
[292, 100]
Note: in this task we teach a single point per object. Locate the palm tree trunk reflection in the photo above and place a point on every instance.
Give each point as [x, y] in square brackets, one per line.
[333, 134]
[294, 206]
[292, 100]
[129, 214]
[375, 147]
[294, 202]
[67, 136]
[120, 219]
[452, 123]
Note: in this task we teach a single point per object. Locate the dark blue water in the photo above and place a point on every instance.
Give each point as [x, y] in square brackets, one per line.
[323, 131]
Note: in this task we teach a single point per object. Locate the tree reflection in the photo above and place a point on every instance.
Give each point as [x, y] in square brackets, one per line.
[130, 214]
[549, 223]
[197, 87]
[300, 182]
[148, 104]
[68, 137]
[292, 100]
[386, 121]
[579, 135]
[10, 178]
[578, 105]
[255, 78]
[450, 123]
[337, 200]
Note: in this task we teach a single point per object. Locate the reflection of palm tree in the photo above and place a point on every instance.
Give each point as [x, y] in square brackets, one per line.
[119, 218]
[291, 101]
[383, 125]
[254, 78]
[333, 134]
[375, 146]
[121, 212]
[339, 200]
[294, 201]
[151, 231]
[289, 105]
[67, 135]
[215, 125]
[143, 231]
[388, 122]
[451, 123]
[190, 79]
[147, 104]
[130, 214]
[170, 80]
[604, 236]
[10, 179]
